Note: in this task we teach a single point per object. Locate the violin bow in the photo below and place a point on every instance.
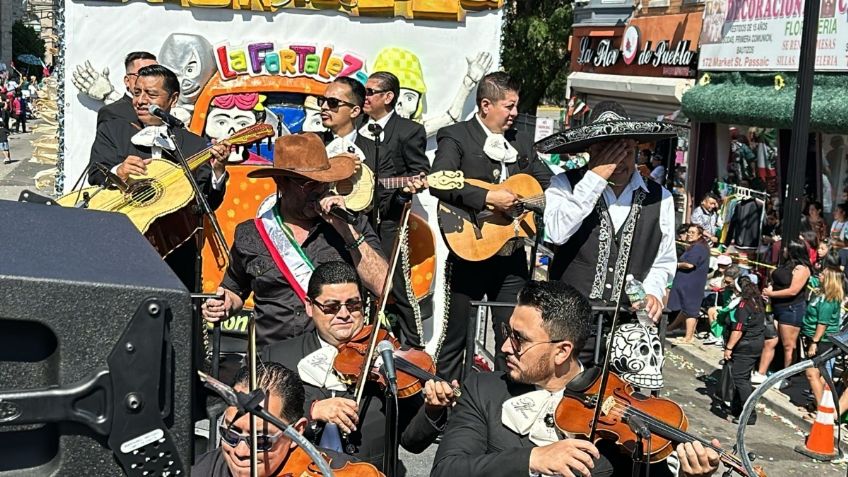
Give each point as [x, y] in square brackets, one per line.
[251, 353]
[382, 300]
[605, 368]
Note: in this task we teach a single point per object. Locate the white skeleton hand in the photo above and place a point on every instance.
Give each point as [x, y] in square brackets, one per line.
[479, 65]
[182, 113]
[92, 83]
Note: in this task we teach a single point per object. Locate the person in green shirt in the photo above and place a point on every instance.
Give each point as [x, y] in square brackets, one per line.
[823, 317]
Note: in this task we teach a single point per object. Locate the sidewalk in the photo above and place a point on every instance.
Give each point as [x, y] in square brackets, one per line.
[786, 403]
[18, 175]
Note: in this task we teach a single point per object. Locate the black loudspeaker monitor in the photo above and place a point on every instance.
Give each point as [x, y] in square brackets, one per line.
[95, 348]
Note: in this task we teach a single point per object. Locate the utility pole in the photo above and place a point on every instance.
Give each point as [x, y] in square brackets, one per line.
[797, 170]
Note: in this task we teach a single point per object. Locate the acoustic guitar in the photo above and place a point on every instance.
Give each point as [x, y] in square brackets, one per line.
[358, 190]
[476, 236]
[152, 202]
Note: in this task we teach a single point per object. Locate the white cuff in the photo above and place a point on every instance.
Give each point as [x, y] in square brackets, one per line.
[218, 182]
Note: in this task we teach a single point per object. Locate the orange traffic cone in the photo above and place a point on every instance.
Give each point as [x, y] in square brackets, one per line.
[820, 442]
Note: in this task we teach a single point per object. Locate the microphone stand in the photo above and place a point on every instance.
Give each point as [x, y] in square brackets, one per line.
[252, 403]
[390, 457]
[540, 235]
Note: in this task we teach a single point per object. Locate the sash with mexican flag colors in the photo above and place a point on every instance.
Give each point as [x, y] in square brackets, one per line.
[285, 251]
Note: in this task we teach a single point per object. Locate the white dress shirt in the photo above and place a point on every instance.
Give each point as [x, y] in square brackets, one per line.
[566, 209]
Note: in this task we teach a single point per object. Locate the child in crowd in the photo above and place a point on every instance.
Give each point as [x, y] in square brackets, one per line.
[823, 317]
[725, 304]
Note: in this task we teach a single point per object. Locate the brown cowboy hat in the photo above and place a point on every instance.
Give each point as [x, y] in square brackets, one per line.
[304, 155]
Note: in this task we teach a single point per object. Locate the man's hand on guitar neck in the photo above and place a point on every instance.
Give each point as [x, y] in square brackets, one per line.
[501, 199]
[220, 153]
[416, 185]
[132, 165]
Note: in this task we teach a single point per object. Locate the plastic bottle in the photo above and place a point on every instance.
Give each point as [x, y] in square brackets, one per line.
[636, 293]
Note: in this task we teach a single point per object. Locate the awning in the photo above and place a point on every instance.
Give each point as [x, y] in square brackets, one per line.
[764, 100]
[643, 97]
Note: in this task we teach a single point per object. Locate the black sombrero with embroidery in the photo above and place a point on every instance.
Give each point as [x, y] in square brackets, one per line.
[609, 121]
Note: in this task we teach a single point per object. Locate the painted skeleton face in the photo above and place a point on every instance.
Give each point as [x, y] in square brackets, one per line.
[192, 59]
[222, 123]
[407, 103]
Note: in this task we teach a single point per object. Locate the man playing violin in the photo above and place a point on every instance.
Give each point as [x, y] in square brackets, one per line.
[503, 424]
[336, 307]
[341, 106]
[284, 399]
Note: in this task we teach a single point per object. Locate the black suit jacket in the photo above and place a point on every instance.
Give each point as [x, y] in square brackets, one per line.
[113, 144]
[120, 109]
[477, 444]
[401, 154]
[460, 147]
[415, 429]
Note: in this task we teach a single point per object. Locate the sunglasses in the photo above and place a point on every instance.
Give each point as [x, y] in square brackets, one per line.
[334, 307]
[372, 92]
[264, 442]
[333, 103]
[515, 340]
[305, 185]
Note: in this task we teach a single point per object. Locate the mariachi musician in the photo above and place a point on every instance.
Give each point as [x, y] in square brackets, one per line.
[273, 255]
[126, 147]
[278, 455]
[606, 219]
[503, 425]
[335, 306]
[485, 147]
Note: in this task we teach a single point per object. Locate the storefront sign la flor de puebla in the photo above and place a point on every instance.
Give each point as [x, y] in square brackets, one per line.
[649, 46]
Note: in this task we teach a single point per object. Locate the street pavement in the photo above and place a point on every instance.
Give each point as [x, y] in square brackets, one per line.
[19, 175]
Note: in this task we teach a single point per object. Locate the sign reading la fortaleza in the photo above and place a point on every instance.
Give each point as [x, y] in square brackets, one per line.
[322, 63]
[765, 35]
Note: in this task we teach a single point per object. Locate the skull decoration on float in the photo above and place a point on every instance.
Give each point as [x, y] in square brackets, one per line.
[230, 113]
[192, 58]
[637, 355]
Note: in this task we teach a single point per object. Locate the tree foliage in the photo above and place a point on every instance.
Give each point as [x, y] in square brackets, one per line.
[25, 40]
[535, 49]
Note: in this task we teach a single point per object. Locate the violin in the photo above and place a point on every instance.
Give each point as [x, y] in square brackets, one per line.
[414, 367]
[299, 464]
[663, 417]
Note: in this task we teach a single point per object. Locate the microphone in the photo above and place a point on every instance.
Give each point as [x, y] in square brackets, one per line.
[343, 214]
[637, 425]
[386, 350]
[536, 208]
[165, 116]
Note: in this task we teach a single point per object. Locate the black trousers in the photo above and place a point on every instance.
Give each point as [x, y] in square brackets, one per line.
[20, 124]
[499, 278]
[746, 355]
[400, 307]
